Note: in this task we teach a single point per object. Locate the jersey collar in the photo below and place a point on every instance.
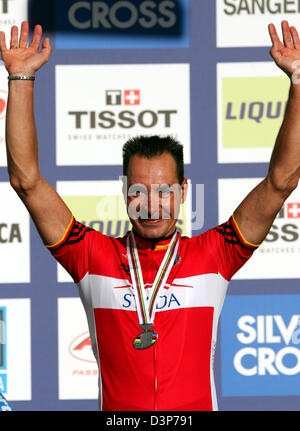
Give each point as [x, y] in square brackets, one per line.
[153, 243]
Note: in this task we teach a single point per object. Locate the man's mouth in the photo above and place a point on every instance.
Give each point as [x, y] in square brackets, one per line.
[150, 221]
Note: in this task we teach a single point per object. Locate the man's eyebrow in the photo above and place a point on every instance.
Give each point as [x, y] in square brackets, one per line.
[153, 184]
[160, 186]
[163, 185]
[137, 184]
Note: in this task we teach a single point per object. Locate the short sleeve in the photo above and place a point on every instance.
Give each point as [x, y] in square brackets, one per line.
[232, 249]
[73, 250]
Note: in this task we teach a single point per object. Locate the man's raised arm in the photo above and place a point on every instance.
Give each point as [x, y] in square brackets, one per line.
[255, 215]
[48, 211]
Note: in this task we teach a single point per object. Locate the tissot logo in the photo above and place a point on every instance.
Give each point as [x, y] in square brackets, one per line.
[119, 97]
[126, 119]
[94, 122]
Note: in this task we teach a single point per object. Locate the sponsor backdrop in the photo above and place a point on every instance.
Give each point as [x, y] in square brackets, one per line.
[194, 69]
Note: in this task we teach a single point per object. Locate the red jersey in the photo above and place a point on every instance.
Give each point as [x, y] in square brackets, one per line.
[176, 373]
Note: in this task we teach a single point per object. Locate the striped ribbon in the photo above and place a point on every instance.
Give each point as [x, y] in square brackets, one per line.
[146, 307]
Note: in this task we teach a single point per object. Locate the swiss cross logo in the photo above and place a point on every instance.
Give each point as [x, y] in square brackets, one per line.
[293, 210]
[131, 97]
[126, 97]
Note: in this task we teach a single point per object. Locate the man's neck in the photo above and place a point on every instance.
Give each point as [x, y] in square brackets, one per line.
[154, 241]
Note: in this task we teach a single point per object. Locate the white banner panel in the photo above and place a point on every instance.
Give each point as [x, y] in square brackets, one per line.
[245, 22]
[14, 237]
[99, 107]
[78, 371]
[251, 100]
[279, 255]
[15, 349]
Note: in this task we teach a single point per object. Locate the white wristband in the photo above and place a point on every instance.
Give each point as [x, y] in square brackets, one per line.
[20, 77]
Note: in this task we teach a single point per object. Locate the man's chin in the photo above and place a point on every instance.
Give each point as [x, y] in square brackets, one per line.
[151, 228]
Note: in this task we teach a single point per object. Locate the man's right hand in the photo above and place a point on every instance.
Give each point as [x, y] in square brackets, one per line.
[47, 209]
[22, 59]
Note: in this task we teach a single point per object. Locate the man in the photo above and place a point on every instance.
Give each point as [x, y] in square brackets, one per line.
[150, 357]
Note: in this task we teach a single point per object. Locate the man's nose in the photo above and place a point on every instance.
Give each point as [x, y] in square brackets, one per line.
[153, 204]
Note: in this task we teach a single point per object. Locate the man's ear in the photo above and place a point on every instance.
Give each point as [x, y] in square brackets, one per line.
[184, 190]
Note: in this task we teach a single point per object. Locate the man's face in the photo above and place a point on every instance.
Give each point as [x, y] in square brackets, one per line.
[154, 195]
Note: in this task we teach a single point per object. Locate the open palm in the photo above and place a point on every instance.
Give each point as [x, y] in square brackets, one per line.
[22, 59]
[287, 53]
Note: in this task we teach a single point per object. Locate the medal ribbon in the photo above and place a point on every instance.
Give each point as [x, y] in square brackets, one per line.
[146, 308]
